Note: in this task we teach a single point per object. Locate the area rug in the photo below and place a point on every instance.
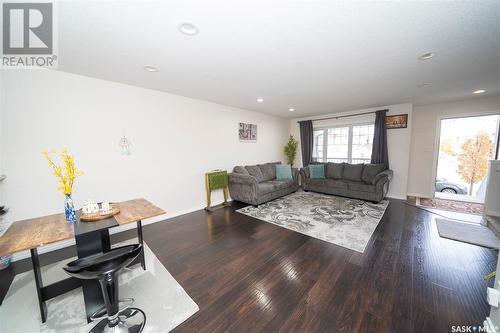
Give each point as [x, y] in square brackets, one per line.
[452, 205]
[341, 221]
[155, 291]
[468, 233]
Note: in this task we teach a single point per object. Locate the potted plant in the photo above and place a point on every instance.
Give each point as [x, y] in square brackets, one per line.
[290, 150]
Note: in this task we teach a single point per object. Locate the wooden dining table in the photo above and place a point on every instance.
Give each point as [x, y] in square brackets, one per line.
[90, 238]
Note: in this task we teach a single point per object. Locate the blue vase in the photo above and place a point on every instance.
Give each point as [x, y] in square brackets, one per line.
[5, 261]
[69, 209]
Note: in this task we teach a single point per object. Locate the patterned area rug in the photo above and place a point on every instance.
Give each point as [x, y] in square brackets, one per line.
[155, 291]
[341, 221]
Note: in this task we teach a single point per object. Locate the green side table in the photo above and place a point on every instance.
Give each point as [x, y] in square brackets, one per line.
[216, 180]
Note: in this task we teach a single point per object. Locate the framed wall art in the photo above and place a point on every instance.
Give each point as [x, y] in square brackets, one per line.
[247, 132]
[396, 121]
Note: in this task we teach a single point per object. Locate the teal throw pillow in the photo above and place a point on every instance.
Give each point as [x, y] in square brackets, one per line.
[283, 172]
[317, 170]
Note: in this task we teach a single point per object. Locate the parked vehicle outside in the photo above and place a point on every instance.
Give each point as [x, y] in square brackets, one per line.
[444, 186]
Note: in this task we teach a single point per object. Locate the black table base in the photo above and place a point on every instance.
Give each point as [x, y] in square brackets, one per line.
[87, 243]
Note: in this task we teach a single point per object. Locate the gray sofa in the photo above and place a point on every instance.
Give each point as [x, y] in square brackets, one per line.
[256, 184]
[360, 181]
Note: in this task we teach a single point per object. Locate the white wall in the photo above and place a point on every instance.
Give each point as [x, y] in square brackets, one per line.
[175, 140]
[398, 141]
[424, 142]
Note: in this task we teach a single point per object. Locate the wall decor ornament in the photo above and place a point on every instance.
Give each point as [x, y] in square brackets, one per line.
[247, 132]
[125, 145]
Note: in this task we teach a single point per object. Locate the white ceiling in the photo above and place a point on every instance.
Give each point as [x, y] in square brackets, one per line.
[316, 56]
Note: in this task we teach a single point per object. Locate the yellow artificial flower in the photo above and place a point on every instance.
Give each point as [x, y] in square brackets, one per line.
[65, 173]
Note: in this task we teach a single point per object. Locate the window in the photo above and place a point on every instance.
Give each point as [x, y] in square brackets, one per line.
[318, 145]
[350, 143]
[362, 142]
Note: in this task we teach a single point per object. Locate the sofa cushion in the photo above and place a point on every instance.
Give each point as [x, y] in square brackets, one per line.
[337, 183]
[328, 183]
[283, 172]
[240, 169]
[317, 171]
[269, 170]
[370, 171]
[254, 171]
[334, 170]
[353, 172]
[273, 185]
[361, 187]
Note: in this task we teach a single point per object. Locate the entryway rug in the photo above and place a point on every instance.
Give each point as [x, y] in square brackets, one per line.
[452, 205]
[467, 232]
[155, 291]
[342, 221]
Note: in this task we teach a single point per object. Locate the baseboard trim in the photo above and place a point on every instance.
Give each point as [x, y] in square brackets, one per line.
[56, 246]
[492, 213]
[419, 195]
[399, 197]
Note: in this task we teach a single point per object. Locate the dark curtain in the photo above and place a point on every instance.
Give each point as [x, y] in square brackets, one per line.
[306, 141]
[380, 153]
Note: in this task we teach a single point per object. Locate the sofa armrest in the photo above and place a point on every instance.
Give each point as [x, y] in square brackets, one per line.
[384, 174]
[295, 174]
[244, 188]
[304, 172]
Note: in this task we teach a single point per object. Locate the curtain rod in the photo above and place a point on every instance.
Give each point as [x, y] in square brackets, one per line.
[349, 115]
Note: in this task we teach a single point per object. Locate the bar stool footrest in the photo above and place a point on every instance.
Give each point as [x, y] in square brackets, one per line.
[131, 320]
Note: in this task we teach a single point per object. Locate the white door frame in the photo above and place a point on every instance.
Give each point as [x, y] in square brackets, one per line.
[438, 138]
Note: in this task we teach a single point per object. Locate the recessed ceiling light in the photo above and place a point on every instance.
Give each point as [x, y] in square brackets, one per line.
[188, 28]
[291, 109]
[480, 91]
[260, 100]
[426, 56]
[424, 85]
[150, 69]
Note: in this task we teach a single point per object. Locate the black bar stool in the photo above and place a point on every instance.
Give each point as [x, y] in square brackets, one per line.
[104, 267]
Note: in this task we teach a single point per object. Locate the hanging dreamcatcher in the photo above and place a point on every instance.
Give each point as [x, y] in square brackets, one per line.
[125, 145]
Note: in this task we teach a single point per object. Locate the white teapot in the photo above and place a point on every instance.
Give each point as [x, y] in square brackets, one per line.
[105, 208]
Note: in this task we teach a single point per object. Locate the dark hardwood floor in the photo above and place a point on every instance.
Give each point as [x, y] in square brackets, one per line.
[247, 275]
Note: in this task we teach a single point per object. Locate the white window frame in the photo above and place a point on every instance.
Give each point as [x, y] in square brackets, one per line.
[349, 139]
